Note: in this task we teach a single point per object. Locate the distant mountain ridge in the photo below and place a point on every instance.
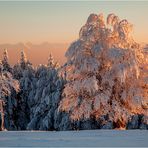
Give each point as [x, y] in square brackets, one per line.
[36, 53]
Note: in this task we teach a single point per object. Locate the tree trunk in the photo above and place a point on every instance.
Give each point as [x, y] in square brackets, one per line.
[2, 114]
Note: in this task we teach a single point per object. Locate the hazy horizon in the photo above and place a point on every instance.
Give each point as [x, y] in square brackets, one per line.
[36, 53]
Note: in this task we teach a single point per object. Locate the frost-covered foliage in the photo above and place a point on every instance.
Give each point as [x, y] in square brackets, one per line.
[24, 73]
[5, 61]
[45, 96]
[103, 74]
[8, 88]
[6, 83]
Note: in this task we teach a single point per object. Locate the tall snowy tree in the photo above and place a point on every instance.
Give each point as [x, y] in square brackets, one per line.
[103, 74]
[8, 85]
[24, 72]
[23, 60]
[45, 97]
[50, 61]
[22, 66]
[51, 64]
[5, 61]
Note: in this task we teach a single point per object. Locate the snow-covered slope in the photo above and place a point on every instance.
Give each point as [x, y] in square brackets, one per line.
[97, 138]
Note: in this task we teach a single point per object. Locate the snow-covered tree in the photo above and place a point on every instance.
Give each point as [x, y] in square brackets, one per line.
[8, 85]
[5, 61]
[51, 64]
[23, 59]
[50, 61]
[103, 74]
[24, 73]
[45, 97]
[21, 66]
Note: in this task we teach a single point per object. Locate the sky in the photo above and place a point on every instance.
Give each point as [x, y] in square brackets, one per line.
[58, 23]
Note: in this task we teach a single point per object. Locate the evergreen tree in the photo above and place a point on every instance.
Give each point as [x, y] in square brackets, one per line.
[8, 87]
[51, 64]
[50, 61]
[45, 97]
[5, 62]
[23, 60]
[24, 73]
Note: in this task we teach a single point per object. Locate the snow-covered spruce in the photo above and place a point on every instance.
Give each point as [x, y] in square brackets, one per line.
[45, 96]
[8, 103]
[24, 72]
[5, 62]
[105, 84]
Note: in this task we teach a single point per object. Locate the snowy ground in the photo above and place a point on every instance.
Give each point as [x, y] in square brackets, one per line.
[108, 138]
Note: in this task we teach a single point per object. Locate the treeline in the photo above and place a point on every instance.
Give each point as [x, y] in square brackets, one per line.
[31, 95]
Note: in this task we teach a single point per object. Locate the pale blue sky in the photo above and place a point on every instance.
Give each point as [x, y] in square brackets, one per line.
[60, 22]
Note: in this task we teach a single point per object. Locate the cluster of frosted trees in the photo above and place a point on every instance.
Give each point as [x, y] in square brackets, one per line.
[102, 85]
[31, 95]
